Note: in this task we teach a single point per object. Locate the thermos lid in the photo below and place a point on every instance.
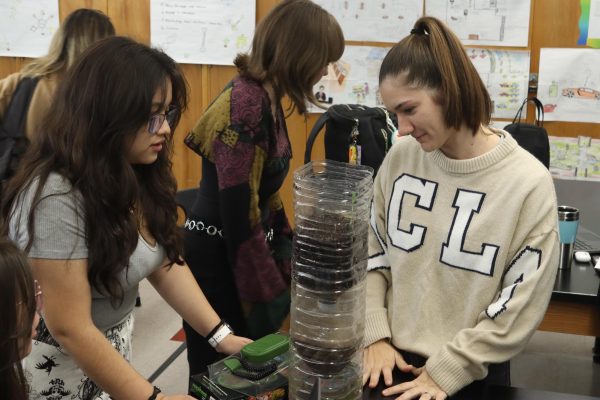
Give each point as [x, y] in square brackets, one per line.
[568, 213]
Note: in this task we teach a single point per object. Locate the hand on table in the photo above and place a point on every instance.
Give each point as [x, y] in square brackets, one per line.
[422, 388]
[380, 358]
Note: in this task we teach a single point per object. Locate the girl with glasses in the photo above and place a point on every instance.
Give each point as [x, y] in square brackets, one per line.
[238, 240]
[20, 304]
[93, 205]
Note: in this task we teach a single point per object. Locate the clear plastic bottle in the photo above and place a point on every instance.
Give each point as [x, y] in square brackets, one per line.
[329, 263]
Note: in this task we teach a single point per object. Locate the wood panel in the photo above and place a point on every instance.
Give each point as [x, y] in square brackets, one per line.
[573, 318]
[66, 7]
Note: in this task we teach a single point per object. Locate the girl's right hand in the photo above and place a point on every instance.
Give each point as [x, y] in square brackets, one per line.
[232, 344]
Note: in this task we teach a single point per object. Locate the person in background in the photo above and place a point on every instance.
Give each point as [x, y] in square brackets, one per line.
[93, 205]
[238, 240]
[80, 29]
[463, 248]
[20, 304]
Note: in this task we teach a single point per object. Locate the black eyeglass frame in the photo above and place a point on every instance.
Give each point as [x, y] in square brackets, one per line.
[156, 121]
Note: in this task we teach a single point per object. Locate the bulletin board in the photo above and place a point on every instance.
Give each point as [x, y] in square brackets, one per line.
[553, 23]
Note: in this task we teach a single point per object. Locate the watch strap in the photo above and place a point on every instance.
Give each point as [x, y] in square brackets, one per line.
[155, 391]
[219, 335]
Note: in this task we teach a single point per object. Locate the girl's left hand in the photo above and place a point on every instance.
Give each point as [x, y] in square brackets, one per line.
[232, 344]
[422, 388]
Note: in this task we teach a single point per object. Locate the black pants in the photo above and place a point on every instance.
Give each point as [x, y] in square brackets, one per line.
[498, 374]
[207, 258]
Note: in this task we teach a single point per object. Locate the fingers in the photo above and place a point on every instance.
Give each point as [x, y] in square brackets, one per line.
[403, 365]
[374, 378]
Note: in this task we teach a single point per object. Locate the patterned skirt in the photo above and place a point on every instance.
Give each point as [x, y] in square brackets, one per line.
[53, 375]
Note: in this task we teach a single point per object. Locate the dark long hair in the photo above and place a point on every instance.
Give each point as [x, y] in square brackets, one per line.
[291, 45]
[17, 308]
[433, 57]
[104, 100]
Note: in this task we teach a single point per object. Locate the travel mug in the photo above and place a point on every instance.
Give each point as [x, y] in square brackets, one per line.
[568, 222]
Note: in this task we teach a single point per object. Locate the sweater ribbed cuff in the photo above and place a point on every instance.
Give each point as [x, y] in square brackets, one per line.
[376, 326]
[447, 372]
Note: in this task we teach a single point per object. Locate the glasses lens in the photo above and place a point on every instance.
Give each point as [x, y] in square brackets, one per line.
[172, 117]
[155, 122]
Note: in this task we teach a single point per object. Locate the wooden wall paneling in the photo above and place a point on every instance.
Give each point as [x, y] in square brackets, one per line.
[219, 76]
[66, 7]
[556, 24]
[186, 163]
[9, 65]
[131, 18]
[296, 126]
[263, 7]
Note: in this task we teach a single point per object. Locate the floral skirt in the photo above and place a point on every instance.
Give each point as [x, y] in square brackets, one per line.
[53, 375]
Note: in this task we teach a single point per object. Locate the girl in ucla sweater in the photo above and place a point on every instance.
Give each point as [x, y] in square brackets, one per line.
[463, 248]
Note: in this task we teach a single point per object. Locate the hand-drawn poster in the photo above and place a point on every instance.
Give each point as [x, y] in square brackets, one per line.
[575, 157]
[202, 32]
[353, 79]
[569, 84]
[506, 76]
[27, 26]
[484, 22]
[374, 21]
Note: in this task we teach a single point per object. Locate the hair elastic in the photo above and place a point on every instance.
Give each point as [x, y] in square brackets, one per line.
[418, 31]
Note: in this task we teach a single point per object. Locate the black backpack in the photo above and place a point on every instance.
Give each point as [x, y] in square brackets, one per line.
[13, 141]
[348, 125]
[532, 138]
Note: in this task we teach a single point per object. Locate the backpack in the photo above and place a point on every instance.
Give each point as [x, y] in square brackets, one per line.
[354, 134]
[532, 138]
[13, 141]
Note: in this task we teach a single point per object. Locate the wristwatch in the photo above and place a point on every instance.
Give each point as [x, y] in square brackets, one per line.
[221, 332]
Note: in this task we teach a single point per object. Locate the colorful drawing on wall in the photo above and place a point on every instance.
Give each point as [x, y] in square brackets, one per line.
[31, 25]
[374, 20]
[569, 84]
[485, 22]
[505, 75]
[206, 32]
[575, 157]
[353, 79]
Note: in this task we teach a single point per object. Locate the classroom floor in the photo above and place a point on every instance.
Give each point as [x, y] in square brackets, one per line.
[551, 361]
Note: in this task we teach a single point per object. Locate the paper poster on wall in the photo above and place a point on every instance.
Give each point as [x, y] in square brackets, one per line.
[202, 32]
[353, 79]
[506, 76]
[575, 157]
[374, 21]
[569, 84]
[484, 22]
[27, 26]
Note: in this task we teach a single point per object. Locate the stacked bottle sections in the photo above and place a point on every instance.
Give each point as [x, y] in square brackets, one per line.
[329, 263]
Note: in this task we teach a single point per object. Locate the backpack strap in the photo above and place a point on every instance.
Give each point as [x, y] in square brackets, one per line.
[16, 112]
[539, 107]
[313, 135]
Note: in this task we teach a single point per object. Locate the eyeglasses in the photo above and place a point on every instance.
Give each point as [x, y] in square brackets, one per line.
[39, 300]
[156, 121]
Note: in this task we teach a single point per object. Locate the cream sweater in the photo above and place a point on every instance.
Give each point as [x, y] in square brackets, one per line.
[462, 256]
